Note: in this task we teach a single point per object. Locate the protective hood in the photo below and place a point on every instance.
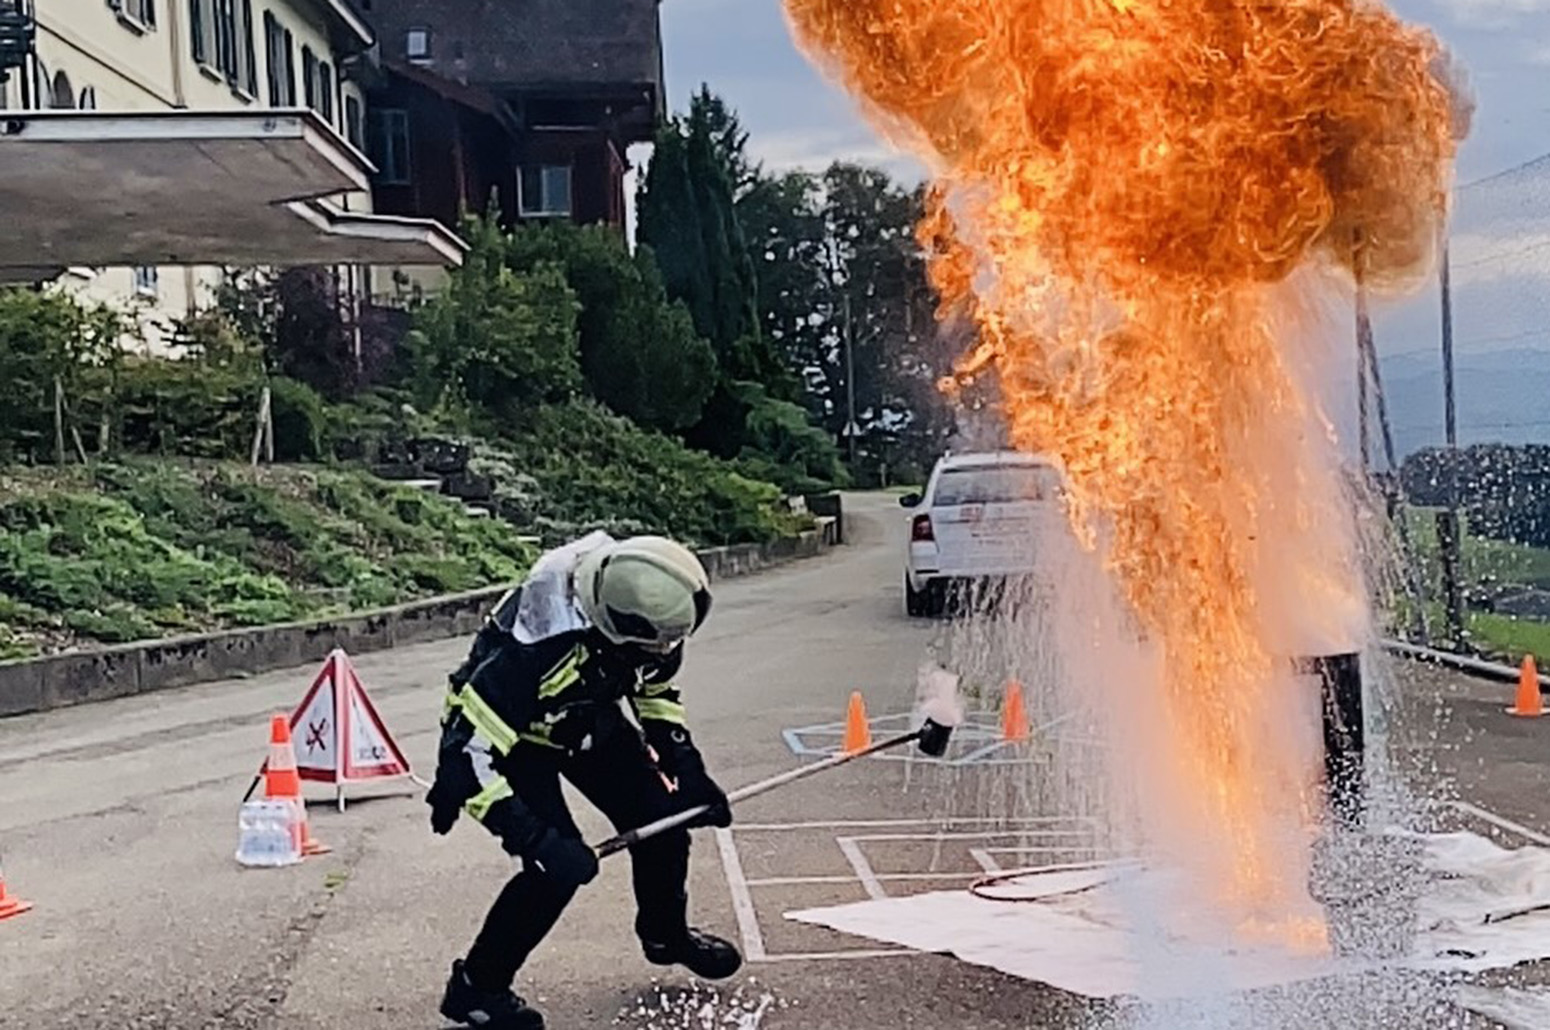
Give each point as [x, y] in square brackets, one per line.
[548, 605]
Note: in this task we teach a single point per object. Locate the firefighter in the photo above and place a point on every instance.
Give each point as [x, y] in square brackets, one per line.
[597, 623]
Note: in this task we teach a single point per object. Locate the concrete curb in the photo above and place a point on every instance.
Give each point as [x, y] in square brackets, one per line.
[58, 681]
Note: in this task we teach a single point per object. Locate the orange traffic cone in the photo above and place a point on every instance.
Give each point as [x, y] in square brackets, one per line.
[1530, 704]
[858, 731]
[10, 904]
[1014, 714]
[282, 782]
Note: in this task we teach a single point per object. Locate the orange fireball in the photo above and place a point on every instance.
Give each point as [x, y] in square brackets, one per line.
[1122, 189]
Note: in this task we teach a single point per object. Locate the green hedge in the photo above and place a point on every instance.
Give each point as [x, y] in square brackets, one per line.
[594, 469]
[144, 549]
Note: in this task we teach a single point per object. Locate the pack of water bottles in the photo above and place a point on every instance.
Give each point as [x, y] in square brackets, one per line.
[268, 834]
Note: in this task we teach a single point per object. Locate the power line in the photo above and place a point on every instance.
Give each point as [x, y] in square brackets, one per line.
[1527, 424]
[1503, 173]
[1530, 249]
[1528, 334]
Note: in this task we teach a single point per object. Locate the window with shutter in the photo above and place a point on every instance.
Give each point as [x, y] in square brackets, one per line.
[199, 30]
[309, 78]
[326, 91]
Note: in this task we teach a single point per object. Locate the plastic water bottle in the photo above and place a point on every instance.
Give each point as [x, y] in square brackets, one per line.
[268, 834]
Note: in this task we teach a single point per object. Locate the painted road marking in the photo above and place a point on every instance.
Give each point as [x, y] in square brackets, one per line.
[863, 868]
[742, 900]
[1004, 836]
[1501, 823]
[985, 859]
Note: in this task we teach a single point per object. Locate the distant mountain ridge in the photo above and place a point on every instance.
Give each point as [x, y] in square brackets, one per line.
[1503, 396]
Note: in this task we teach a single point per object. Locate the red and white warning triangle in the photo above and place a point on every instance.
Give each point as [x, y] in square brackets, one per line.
[339, 736]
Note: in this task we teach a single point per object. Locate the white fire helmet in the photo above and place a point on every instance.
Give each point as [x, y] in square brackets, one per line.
[648, 591]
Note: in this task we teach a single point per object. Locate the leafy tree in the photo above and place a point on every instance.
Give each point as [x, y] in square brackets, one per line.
[1504, 488]
[640, 354]
[47, 338]
[688, 216]
[729, 140]
[735, 330]
[297, 319]
[785, 448]
[786, 236]
[668, 221]
[842, 288]
[497, 338]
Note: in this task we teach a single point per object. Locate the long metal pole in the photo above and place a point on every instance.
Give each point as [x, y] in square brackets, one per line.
[632, 837]
[1448, 521]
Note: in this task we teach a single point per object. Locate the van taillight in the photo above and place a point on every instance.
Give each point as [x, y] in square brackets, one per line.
[921, 528]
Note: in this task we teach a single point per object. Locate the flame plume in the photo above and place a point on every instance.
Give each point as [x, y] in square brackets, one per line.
[1123, 191]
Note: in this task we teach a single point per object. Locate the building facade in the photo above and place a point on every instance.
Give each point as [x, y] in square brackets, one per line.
[535, 103]
[193, 55]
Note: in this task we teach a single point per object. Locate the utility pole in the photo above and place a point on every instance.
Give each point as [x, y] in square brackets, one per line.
[1448, 519]
[1363, 342]
[850, 383]
[1420, 623]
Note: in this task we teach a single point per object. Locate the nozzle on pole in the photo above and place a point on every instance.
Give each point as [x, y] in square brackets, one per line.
[933, 738]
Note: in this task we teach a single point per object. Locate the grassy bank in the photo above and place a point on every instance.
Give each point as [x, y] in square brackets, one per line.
[145, 549]
[1486, 567]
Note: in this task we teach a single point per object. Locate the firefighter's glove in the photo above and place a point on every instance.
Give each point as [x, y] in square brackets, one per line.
[694, 788]
[447, 794]
[684, 769]
[568, 861]
[697, 788]
[443, 814]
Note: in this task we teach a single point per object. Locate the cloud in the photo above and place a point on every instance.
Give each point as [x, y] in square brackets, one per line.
[814, 149]
[1492, 13]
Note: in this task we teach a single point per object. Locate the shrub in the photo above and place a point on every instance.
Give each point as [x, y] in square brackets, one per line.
[300, 420]
[139, 549]
[182, 408]
[594, 469]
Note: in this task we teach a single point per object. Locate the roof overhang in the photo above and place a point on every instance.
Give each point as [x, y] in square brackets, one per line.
[193, 188]
[345, 14]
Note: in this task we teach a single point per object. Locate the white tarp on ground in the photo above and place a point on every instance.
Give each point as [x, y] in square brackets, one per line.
[1480, 909]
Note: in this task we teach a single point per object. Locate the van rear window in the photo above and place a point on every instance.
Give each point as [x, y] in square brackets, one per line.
[996, 485]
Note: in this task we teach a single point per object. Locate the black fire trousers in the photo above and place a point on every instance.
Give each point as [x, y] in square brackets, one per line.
[617, 776]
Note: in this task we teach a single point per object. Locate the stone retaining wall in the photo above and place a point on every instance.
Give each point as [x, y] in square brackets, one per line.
[39, 684]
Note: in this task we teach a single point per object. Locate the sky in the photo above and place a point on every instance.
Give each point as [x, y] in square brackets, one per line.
[796, 118]
[743, 50]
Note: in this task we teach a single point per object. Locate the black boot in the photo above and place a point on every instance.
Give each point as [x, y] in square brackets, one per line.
[703, 955]
[491, 1010]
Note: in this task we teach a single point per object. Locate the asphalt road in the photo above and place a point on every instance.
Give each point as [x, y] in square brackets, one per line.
[119, 821]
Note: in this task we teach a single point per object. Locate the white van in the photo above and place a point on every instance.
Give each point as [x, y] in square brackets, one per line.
[980, 518]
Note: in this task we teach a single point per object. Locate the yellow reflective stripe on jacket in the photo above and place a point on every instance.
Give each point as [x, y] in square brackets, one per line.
[541, 739]
[565, 675]
[480, 804]
[491, 726]
[661, 710]
[658, 690]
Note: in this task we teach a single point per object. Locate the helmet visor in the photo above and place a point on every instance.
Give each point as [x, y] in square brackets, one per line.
[656, 636]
